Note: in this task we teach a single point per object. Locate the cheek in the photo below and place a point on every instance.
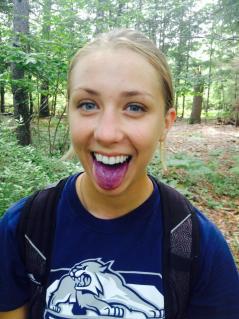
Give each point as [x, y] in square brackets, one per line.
[145, 142]
[78, 131]
[148, 133]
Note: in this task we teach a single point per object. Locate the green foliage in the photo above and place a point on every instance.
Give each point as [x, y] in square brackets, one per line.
[5, 6]
[51, 136]
[192, 176]
[26, 169]
[190, 34]
[224, 184]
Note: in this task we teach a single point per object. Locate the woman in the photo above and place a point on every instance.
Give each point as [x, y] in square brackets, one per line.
[107, 253]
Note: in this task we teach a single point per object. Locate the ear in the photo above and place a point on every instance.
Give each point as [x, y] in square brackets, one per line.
[168, 122]
[170, 118]
[107, 266]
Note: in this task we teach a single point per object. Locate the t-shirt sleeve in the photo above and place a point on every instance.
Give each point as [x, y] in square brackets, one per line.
[13, 277]
[215, 294]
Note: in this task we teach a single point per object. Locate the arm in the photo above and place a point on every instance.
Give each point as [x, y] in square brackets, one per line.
[14, 282]
[215, 294]
[19, 313]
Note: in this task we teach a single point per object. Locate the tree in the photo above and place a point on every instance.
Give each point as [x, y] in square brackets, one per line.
[20, 92]
[2, 86]
[44, 110]
[4, 8]
[235, 65]
[2, 98]
[197, 98]
[188, 34]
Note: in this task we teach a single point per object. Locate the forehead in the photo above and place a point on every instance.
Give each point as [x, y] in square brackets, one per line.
[122, 66]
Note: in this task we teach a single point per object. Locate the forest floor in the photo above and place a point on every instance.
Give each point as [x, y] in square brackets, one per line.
[212, 143]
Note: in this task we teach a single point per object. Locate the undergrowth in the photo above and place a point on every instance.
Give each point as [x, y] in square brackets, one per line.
[26, 169]
[195, 177]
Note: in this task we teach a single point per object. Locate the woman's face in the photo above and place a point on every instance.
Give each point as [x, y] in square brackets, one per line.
[116, 116]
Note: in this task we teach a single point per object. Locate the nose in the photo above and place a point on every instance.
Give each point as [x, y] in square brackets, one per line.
[108, 129]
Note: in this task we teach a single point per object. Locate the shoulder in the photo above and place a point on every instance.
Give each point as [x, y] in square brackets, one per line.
[215, 253]
[11, 217]
[13, 277]
[212, 241]
[215, 291]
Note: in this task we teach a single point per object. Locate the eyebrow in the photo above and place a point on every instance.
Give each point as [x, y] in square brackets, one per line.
[123, 94]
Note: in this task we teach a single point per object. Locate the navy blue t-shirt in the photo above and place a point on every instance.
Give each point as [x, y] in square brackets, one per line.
[113, 268]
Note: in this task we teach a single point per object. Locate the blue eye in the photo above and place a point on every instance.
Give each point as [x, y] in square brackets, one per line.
[87, 106]
[136, 108]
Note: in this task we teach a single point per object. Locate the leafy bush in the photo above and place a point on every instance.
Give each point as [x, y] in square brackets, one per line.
[26, 169]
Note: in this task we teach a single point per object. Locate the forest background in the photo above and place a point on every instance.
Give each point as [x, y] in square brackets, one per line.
[201, 42]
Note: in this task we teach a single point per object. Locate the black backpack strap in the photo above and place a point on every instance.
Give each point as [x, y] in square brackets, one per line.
[35, 233]
[180, 250]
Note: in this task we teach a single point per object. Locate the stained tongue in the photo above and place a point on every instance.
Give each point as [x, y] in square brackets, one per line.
[109, 176]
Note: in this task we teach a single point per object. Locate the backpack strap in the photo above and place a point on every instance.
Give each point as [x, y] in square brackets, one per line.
[35, 233]
[180, 250]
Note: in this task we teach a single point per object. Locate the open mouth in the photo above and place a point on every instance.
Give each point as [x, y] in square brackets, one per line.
[111, 160]
[83, 281]
[110, 171]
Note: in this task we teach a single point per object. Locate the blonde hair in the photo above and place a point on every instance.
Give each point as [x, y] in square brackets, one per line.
[139, 43]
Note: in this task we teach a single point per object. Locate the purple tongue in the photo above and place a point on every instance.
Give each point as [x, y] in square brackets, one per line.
[109, 176]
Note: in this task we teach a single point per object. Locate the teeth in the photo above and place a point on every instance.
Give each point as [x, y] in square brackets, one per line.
[110, 160]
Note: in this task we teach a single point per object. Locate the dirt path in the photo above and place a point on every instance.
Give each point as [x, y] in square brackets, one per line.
[200, 139]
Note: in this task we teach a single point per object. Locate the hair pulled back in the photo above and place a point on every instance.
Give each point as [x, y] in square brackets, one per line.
[137, 42]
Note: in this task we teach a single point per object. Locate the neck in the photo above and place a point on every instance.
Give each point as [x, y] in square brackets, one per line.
[109, 206]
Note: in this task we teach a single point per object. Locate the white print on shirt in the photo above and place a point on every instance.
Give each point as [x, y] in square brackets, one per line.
[93, 289]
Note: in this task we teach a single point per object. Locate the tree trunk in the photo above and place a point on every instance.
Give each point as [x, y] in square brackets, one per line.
[236, 98]
[236, 84]
[237, 113]
[44, 100]
[197, 100]
[44, 110]
[183, 107]
[20, 94]
[2, 95]
[209, 77]
[196, 110]
[176, 102]
[31, 104]
[187, 67]
[2, 86]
